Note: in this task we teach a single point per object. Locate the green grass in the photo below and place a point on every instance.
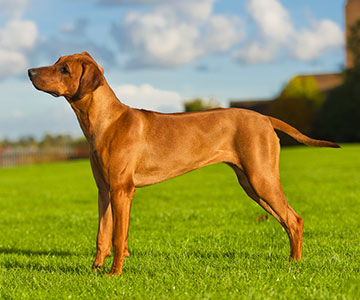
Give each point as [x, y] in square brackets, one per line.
[192, 237]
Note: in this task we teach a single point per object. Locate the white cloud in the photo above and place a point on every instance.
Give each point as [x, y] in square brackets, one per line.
[18, 35]
[173, 34]
[311, 43]
[279, 35]
[221, 33]
[272, 19]
[76, 29]
[13, 8]
[16, 38]
[256, 53]
[12, 63]
[147, 97]
[155, 40]
[192, 11]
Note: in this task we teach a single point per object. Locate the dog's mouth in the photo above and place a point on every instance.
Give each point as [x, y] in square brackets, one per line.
[53, 93]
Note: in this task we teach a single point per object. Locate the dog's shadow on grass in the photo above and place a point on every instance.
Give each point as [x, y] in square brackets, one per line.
[42, 260]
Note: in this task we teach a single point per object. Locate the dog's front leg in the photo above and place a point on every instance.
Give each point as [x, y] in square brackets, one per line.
[103, 241]
[120, 204]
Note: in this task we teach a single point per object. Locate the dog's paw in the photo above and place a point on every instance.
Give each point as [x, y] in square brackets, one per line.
[96, 266]
[115, 272]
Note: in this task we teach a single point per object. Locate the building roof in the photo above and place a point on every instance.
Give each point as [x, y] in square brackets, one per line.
[326, 82]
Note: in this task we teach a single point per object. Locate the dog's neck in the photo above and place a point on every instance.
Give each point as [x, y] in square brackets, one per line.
[96, 111]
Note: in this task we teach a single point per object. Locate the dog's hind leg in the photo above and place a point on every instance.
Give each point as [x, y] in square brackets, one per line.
[267, 192]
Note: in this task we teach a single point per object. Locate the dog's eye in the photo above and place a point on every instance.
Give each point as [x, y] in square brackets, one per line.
[64, 70]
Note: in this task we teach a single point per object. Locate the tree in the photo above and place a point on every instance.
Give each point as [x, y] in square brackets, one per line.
[298, 105]
[339, 117]
[306, 88]
[199, 104]
[5, 143]
[354, 44]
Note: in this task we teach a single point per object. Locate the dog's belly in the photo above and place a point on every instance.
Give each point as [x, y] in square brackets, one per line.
[151, 173]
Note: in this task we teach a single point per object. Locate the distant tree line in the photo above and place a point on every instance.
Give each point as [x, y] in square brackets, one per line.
[48, 140]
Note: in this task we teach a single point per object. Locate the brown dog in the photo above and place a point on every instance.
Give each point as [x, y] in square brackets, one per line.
[134, 148]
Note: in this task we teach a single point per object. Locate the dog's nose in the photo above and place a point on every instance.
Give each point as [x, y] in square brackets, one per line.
[32, 72]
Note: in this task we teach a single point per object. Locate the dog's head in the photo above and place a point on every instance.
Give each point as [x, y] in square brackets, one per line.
[72, 76]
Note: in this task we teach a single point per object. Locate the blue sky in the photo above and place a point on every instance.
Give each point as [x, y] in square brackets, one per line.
[158, 53]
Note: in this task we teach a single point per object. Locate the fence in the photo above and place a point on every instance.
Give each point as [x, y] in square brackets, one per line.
[16, 156]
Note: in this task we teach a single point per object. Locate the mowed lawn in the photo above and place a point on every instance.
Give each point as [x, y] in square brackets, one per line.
[197, 236]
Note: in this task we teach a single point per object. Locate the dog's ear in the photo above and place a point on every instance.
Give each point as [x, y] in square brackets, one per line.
[89, 56]
[91, 78]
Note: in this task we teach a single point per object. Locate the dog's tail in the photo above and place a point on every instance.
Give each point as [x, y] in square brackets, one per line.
[297, 135]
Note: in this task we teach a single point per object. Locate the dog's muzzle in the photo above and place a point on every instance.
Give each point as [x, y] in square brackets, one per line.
[32, 73]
